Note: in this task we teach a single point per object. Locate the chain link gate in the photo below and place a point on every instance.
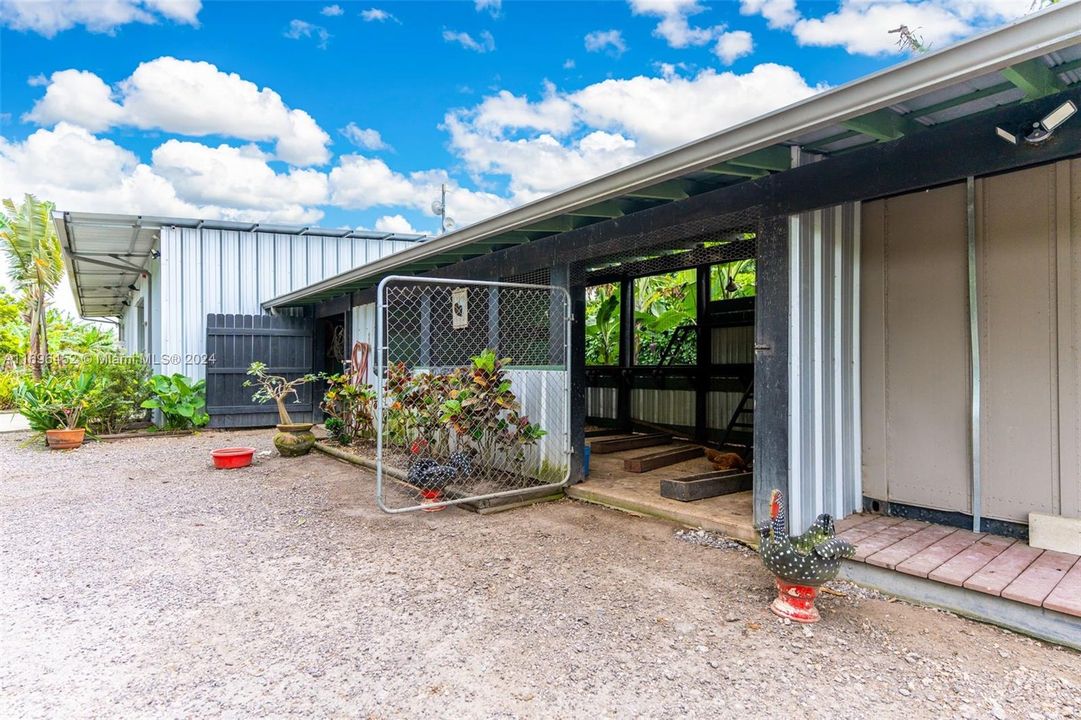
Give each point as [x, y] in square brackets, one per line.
[473, 391]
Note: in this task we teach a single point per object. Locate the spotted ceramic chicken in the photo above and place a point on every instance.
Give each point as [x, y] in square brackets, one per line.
[812, 559]
[427, 474]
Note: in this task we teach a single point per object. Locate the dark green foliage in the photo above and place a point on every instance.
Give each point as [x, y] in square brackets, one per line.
[182, 403]
[121, 382]
[350, 407]
[336, 429]
[57, 401]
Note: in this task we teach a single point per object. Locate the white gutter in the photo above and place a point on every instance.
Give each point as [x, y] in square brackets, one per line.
[1038, 34]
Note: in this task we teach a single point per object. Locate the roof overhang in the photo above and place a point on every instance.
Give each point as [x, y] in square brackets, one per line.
[1032, 57]
[106, 255]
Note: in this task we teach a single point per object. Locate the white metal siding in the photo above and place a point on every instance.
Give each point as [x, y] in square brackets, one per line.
[824, 443]
[224, 271]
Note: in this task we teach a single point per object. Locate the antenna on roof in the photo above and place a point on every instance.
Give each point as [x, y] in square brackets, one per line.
[439, 207]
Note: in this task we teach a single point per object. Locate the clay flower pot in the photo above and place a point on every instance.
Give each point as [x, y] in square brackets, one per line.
[796, 602]
[65, 439]
[294, 440]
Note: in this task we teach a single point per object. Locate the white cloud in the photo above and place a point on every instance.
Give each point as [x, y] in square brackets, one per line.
[76, 94]
[54, 16]
[568, 64]
[98, 175]
[674, 26]
[492, 7]
[360, 182]
[778, 13]
[235, 177]
[186, 98]
[377, 15]
[366, 138]
[601, 40]
[332, 11]
[302, 29]
[38, 80]
[482, 44]
[733, 45]
[568, 137]
[862, 26]
[504, 111]
[661, 113]
[394, 224]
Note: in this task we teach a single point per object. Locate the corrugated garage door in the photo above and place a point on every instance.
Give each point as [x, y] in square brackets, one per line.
[233, 342]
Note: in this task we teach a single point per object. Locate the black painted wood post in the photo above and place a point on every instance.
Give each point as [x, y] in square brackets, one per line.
[578, 382]
[704, 352]
[626, 353]
[771, 365]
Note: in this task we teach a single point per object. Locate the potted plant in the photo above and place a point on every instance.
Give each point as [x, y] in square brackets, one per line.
[292, 439]
[57, 406]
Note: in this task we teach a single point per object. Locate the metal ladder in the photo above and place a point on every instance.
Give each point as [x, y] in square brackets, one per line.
[739, 422]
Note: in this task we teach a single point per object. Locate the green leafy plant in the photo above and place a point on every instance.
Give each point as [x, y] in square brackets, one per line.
[122, 389]
[602, 324]
[182, 402]
[484, 412]
[28, 240]
[275, 388]
[350, 408]
[9, 381]
[56, 401]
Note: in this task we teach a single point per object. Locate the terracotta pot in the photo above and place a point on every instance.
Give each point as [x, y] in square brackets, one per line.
[430, 497]
[294, 440]
[796, 602]
[65, 439]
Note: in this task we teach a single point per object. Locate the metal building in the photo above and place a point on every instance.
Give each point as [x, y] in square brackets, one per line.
[161, 278]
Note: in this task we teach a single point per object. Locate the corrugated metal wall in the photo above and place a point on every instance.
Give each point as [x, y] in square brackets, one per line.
[824, 381]
[223, 271]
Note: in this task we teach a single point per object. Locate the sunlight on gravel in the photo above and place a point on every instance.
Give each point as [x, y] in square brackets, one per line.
[138, 581]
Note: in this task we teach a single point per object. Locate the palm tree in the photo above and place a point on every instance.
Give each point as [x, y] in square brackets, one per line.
[28, 239]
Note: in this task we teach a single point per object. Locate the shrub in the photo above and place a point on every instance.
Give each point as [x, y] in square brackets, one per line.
[122, 380]
[57, 401]
[350, 409]
[182, 403]
[8, 382]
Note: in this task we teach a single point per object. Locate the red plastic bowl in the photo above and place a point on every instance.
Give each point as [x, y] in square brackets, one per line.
[233, 457]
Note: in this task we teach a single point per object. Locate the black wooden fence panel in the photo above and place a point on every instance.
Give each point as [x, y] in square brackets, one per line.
[233, 342]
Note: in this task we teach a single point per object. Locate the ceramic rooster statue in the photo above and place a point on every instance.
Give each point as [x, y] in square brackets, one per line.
[432, 478]
[811, 559]
[800, 564]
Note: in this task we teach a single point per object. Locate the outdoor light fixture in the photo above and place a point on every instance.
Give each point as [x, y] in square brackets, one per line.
[155, 254]
[1043, 129]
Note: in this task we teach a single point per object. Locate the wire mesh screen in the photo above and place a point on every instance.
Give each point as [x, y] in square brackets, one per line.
[721, 238]
[473, 391]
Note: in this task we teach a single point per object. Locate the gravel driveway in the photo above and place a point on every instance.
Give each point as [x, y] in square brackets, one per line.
[136, 581]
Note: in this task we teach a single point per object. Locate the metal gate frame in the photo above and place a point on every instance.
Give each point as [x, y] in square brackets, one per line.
[380, 373]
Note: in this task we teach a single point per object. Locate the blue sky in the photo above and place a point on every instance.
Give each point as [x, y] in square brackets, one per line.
[352, 114]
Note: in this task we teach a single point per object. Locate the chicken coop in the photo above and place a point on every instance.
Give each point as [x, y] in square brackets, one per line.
[810, 300]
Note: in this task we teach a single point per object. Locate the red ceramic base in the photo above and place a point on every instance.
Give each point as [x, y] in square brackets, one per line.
[796, 602]
[428, 497]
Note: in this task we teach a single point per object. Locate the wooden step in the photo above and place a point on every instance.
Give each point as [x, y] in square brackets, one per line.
[602, 432]
[662, 458]
[706, 485]
[601, 447]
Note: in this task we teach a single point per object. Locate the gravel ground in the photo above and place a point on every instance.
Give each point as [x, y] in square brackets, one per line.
[139, 582]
